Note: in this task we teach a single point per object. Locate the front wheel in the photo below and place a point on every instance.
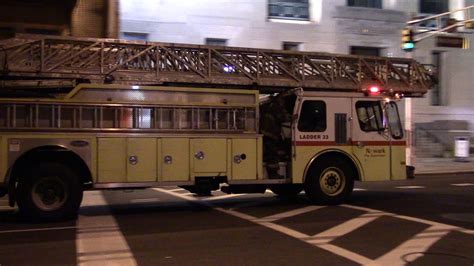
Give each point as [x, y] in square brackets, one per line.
[329, 182]
[50, 191]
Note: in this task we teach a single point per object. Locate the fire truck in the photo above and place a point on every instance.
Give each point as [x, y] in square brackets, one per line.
[81, 114]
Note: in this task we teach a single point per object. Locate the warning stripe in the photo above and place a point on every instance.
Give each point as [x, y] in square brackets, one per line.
[353, 143]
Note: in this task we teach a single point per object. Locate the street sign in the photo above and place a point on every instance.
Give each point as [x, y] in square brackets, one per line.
[452, 42]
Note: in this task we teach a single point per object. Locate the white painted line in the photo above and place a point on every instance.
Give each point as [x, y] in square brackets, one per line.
[410, 187]
[413, 219]
[176, 189]
[223, 197]
[144, 200]
[287, 231]
[269, 191]
[96, 247]
[37, 229]
[342, 229]
[463, 184]
[416, 246]
[359, 189]
[346, 254]
[291, 213]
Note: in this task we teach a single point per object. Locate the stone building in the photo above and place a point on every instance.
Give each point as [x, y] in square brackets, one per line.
[79, 18]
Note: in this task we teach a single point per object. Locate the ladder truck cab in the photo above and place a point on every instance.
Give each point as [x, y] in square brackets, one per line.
[81, 114]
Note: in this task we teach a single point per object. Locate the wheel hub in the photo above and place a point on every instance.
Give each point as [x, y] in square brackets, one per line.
[332, 181]
[49, 193]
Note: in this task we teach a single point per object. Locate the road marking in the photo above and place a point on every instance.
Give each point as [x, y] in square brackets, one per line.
[413, 219]
[144, 200]
[463, 184]
[342, 229]
[176, 189]
[279, 228]
[410, 187]
[222, 197]
[359, 189]
[291, 213]
[95, 247]
[418, 244]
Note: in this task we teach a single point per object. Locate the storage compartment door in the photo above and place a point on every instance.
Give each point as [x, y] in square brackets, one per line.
[174, 159]
[209, 156]
[141, 160]
[112, 160]
[244, 159]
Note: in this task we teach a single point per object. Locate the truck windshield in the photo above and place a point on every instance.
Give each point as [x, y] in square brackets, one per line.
[394, 123]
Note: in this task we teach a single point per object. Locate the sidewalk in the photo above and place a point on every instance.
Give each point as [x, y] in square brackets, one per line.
[442, 165]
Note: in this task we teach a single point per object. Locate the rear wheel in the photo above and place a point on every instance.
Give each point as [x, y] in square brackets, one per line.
[49, 191]
[329, 182]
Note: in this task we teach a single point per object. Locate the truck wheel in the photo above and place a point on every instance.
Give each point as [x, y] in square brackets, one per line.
[49, 191]
[286, 190]
[330, 182]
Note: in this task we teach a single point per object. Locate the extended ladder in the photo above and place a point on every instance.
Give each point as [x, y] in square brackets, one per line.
[33, 61]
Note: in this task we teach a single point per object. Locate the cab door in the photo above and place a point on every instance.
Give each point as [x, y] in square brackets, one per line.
[370, 140]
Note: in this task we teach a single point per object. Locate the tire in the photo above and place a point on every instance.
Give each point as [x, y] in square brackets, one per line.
[329, 181]
[286, 190]
[49, 192]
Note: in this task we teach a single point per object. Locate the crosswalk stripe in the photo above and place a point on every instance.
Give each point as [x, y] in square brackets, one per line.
[359, 189]
[416, 246]
[96, 247]
[342, 229]
[463, 184]
[291, 213]
[410, 187]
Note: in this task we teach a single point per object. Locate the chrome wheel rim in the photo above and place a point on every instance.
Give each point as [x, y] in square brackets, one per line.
[332, 181]
[49, 193]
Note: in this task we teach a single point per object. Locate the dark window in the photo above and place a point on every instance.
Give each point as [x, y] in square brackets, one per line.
[370, 115]
[312, 117]
[291, 46]
[288, 9]
[135, 36]
[434, 6]
[216, 42]
[6, 32]
[360, 50]
[42, 31]
[436, 92]
[365, 3]
[394, 122]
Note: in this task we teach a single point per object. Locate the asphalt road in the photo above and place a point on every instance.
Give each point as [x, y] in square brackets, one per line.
[427, 221]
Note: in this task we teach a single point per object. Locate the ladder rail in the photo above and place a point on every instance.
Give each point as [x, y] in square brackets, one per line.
[52, 59]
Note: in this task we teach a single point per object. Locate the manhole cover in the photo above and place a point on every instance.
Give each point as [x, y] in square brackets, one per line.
[462, 217]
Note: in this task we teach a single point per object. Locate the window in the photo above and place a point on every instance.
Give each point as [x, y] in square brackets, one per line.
[436, 92]
[291, 46]
[135, 36]
[365, 3]
[216, 42]
[288, 9]
[370, 115]
[312, 117]
[394, 123]
[360, 50]
[434, 6]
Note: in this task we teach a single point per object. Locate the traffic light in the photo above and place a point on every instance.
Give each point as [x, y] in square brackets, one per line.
[408, 40]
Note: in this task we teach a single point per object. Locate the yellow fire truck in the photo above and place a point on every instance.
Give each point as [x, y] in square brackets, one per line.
[82, 114]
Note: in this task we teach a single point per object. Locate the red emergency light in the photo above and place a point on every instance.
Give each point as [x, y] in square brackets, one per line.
[374, 89]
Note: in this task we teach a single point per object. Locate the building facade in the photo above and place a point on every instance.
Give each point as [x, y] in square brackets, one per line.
[371, 27]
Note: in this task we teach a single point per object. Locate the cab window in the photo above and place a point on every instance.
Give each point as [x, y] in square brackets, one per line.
[370, 115]
[394, 122]
[312, 117]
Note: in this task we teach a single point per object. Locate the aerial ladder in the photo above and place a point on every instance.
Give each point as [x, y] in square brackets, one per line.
[50, 63]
